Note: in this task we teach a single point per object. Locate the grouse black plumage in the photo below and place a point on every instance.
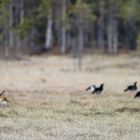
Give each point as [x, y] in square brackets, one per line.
[99, 89]
[131, 87]
[137, 94]
[95, 89]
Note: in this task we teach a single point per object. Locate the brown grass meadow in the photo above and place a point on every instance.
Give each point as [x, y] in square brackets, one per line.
[50, 102]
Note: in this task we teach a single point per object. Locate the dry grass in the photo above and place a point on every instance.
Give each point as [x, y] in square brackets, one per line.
[50, 102]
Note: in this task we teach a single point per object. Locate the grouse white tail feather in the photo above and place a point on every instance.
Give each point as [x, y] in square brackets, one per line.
[91, 88]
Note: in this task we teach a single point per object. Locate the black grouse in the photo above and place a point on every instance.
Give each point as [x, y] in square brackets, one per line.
[137, 94]
[95, 89]
[99, 89]
[131, 87]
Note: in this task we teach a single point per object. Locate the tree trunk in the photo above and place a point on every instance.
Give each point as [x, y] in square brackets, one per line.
[112, 31]
[63, 40]
[100, 32]
[11, 21]
[21, 11]
[109, 36]
[80, 45]
[112, 36]
[48, 42]
[115, 36]
[20, 20]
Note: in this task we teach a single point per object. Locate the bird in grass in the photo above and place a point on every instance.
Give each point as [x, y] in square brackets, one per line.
[137, 94]
[99, 89]
[95, 89]
[3, 99]
[131, 87]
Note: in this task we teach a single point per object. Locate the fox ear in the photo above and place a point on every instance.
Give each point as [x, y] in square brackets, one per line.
[2, 93]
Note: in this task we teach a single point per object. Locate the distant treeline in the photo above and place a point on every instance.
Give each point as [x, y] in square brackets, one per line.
[68, 25]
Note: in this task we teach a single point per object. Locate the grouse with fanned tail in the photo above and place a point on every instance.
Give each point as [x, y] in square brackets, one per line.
[99, 89]
[94, 89]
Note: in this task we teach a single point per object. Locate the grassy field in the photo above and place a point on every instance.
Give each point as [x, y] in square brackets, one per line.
[50, 102]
